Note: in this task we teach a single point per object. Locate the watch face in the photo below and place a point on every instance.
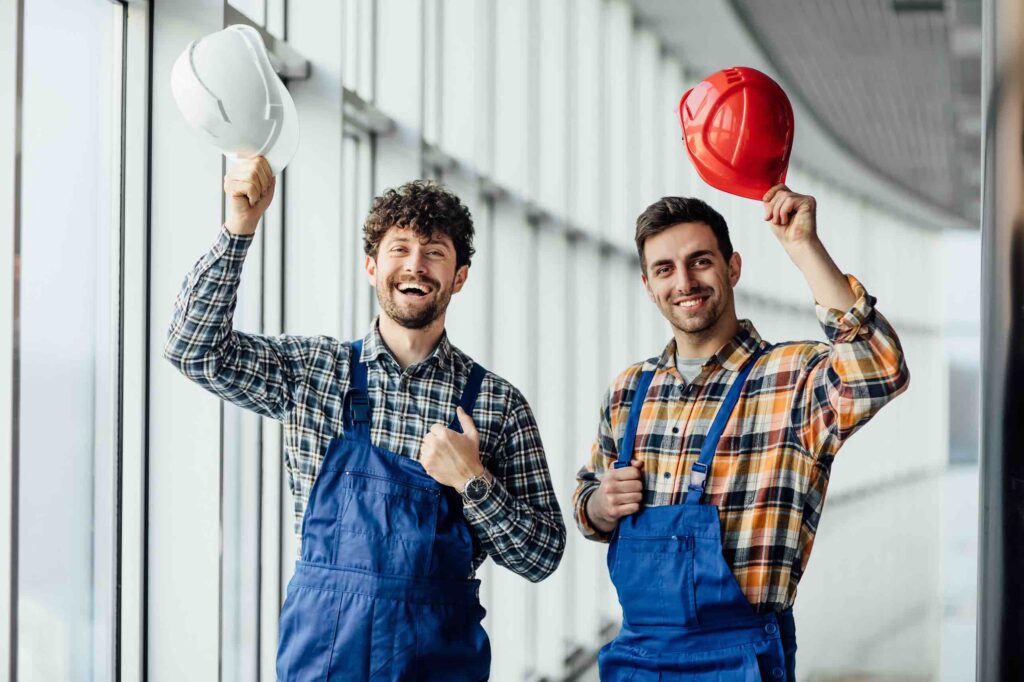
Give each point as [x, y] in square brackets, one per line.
[476, 489]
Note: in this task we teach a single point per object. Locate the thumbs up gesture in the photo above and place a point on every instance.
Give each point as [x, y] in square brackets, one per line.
[452, 458]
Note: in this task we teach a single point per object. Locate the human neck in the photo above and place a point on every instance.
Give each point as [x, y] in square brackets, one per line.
[410, 346]
[706, 343]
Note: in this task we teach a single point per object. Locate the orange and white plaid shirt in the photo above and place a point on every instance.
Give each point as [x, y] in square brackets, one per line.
[801, 402]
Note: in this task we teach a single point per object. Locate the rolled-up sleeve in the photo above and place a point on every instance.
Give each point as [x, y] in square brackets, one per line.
[848, 380]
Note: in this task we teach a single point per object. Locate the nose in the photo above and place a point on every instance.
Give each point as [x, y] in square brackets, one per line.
[415, 262]
[684, 281]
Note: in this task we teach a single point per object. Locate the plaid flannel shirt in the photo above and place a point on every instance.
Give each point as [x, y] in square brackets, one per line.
[302, 381]
[801, 402]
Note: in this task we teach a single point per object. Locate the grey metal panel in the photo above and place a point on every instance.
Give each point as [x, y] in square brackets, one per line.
[707, 34]
[1001, 541]
[880, 79]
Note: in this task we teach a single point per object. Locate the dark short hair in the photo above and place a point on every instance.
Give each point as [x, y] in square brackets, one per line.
[428, 209]
[669, 211]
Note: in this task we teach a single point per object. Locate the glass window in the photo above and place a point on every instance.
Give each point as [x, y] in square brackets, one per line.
[68, 367]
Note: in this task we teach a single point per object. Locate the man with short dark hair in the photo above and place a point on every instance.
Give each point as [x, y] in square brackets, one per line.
[711, 462]
[409, 463]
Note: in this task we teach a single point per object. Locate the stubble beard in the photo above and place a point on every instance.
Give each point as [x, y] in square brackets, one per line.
[417, 319]
[700, 325]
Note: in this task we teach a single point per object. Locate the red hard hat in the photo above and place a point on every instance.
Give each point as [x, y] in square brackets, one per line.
[738, 127]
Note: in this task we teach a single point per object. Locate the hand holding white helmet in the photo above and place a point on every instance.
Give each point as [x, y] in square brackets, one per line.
[226, 88]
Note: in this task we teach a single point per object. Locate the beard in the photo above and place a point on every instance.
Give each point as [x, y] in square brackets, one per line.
[700, 321]
[413, 315]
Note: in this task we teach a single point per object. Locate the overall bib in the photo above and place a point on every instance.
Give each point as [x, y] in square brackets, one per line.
[684, 616]
[382, 589]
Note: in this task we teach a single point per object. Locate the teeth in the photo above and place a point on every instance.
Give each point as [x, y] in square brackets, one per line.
[692, 304]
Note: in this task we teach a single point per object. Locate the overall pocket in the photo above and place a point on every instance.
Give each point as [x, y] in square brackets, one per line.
[736, 664]
[654, 579]
[385, 525]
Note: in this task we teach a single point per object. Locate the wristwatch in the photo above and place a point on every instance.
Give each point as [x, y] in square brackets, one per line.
[476, 488]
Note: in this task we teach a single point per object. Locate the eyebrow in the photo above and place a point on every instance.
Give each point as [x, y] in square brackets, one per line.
[690, 256]
[432, 240]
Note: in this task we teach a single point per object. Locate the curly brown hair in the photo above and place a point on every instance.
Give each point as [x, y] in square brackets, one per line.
[427, 208]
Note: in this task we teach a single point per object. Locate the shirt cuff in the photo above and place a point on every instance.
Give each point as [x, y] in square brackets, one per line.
[232, 246]
[843, 327]
[225, 257]
[590, 532]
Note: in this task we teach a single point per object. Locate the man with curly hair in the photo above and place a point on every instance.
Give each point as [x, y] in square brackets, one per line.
[409, 463]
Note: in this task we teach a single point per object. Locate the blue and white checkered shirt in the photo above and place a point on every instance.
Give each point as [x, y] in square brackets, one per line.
[302, 381]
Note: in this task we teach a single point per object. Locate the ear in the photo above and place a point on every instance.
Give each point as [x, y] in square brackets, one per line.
[460, 279]
[371, 270]
[735, 268]
[647, 287]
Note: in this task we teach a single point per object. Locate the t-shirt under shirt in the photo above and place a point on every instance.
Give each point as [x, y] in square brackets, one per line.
[689, 368]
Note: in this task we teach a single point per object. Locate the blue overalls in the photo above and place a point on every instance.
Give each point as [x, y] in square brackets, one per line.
[382, 591]
[684, 616]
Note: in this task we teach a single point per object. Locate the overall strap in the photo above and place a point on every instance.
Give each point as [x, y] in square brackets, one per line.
[629, 437]
[469, 395]
[356, 416]
[699, 472]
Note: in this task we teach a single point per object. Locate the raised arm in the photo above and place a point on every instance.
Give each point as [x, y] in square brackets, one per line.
[255, 372]
[843, 384]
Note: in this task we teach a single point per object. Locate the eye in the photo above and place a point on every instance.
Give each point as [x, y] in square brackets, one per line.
[702, 262]
[661, 270]
[439, 254]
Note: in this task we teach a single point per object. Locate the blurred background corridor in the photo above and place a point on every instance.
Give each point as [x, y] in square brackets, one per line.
[146, 528]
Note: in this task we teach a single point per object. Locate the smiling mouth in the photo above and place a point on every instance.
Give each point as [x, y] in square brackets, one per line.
[417, 290]
[691, 303]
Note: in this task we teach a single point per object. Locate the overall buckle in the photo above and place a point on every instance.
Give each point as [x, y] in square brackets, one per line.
[360, 405]
[698, 476]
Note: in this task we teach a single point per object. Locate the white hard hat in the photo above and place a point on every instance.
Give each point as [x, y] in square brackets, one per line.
[227, 90]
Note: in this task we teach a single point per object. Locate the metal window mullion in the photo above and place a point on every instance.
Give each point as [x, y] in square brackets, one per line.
[134, 341]
[11, 61]
[118, 336]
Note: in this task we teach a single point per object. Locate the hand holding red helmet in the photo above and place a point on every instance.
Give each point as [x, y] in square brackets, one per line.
[738, 128]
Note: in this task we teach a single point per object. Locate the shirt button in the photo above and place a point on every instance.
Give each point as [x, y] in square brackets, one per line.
[771, 628]
[675, 429]
[668, 474]
[778, 673]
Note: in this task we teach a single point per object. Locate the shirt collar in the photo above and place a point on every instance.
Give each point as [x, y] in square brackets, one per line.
[732, 356]
[374, 347]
